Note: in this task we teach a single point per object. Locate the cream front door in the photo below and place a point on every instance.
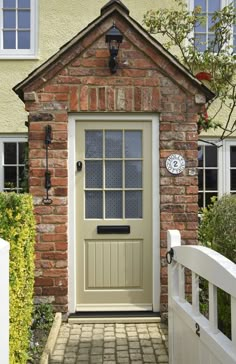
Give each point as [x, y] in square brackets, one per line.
[113, 216]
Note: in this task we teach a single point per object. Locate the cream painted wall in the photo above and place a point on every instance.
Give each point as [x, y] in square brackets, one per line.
[59, 21]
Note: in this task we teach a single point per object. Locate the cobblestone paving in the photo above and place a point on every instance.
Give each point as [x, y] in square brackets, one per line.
[111, 343]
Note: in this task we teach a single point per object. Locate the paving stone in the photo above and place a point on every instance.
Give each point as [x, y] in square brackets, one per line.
[110, 344]
[148, 358]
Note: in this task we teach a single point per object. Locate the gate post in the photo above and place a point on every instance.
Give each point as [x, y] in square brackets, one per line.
[4, 311]
[173, 239]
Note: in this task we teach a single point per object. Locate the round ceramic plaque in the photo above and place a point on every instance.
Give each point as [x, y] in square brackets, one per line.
[175, 163]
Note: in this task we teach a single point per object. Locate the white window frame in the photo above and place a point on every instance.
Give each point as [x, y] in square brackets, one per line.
[223, 160]
[22, 53]
[224, 3]
[8, 139]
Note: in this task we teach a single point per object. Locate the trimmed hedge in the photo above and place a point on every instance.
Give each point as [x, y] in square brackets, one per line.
[17, 226]
[218, 231]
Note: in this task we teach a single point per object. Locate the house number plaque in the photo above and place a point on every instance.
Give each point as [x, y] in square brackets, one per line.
[175, 163]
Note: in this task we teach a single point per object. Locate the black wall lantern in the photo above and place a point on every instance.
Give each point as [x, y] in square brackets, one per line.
[114, 38]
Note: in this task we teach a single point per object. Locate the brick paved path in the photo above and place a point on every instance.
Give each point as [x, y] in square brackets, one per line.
[111, 343]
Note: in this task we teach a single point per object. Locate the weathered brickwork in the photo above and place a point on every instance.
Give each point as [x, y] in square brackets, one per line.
[80, 81]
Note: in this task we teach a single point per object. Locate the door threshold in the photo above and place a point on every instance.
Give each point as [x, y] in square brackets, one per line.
[114, 317]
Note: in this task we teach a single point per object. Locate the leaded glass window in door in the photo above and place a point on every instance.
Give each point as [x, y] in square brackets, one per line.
[113, 174]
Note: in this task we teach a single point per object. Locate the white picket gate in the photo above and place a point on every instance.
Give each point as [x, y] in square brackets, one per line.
[193, 339]
[4, 300]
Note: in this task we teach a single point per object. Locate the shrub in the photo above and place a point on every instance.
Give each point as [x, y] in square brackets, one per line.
[17, 226]
[218, 231]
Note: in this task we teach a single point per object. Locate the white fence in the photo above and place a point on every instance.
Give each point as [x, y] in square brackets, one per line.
[4, 299]
[192, 337]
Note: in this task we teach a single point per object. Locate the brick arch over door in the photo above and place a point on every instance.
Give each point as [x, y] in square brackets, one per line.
[77, 79]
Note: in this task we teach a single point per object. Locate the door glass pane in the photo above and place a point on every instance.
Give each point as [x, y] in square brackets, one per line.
[113, 144]
[93, 205]
[133, 204]
[10, 174]
[232, 156]
[113, 204]
[133, 174]
[211, 179]
[93, 144]
[10, 153]
[93, 174]
[133, 144]
[114, 174]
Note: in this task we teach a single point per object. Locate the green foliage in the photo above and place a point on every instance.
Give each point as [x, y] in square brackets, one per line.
[17, 226]
[177, 26]
[43, 316]
[218, 231]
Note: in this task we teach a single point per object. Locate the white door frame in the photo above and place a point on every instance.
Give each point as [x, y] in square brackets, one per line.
[76, 117]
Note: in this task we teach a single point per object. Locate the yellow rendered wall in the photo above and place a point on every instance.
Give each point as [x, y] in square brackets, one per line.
[59, 21]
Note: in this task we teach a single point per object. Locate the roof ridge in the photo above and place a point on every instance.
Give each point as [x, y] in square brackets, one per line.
[114, 2]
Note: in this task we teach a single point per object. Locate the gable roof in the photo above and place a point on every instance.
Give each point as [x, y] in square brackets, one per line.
[113, 7]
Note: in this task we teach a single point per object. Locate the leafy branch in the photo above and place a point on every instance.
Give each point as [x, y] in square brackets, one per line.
[214, 56]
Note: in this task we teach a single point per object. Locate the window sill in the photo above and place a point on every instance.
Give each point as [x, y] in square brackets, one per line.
[19, 57]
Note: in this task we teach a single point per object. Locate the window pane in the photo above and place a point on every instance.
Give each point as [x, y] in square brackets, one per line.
[9, 3]
[9, 40]
[10, 176]
[93, 205]
[23, 4]
[113, 146]
[114, 174]
[133, 174]
[200, 200]
[201, 3]
[133, 144]
[211, 156]
[133, 204]
[213, 5]
[10, 153]
[21, 176]
[22, 151]
[211, 179]
[23, 19]
[209, 197]
[233, 180]
[23, 40]
[93, 174]
[200, 42]
[200, 156]
[200, 179]
[9, 19]
[93, 144]
[233, 156]
[113, 204]
[200, 28]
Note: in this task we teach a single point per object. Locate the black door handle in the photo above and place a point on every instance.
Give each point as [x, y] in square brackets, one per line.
[79, 165]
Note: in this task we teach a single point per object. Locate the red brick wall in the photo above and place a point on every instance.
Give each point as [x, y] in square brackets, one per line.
[81, 82]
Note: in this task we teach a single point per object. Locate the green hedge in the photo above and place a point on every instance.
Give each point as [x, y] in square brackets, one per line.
[17, 226]
[218, 231]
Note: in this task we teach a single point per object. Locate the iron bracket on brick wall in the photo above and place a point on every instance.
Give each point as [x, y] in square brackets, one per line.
[48, 140]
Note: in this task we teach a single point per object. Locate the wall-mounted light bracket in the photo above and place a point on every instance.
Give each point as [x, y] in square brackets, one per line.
[47, 184]
[114, 38]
